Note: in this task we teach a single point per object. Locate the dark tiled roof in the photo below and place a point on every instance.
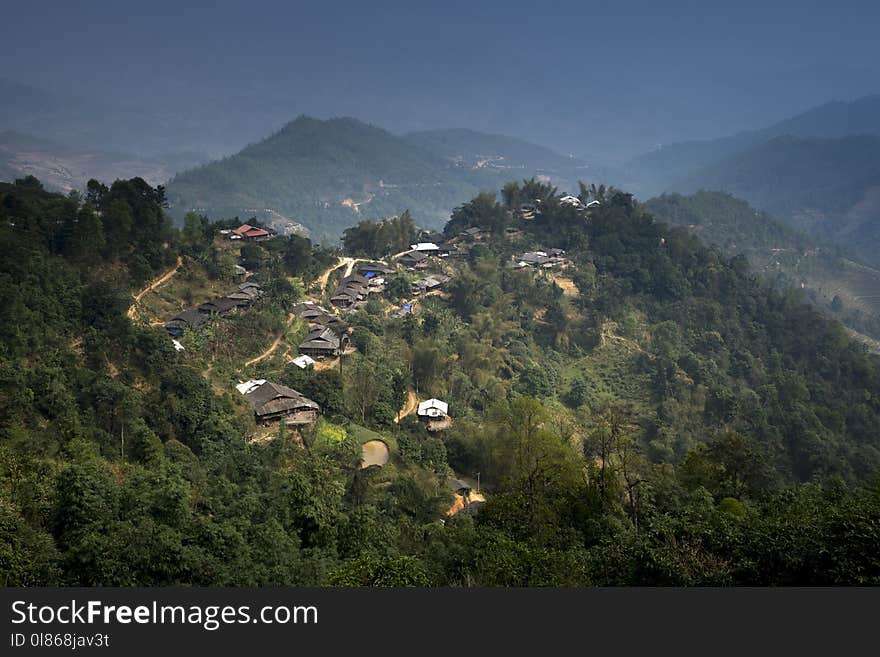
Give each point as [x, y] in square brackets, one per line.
[222, 305]
[191, 317]
[272, 398]
[321, 337]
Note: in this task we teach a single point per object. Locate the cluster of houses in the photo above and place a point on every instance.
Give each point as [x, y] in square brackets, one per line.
[327, 337]
[273, 402]
[352, 291]
[540, 259]
[419, 255]
[193, 318]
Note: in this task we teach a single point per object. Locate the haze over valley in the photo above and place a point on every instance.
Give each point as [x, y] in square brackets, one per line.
[452, 294]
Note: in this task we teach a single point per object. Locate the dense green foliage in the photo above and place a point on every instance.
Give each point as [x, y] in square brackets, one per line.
[377, 239]
[669, 420]
[838, 286]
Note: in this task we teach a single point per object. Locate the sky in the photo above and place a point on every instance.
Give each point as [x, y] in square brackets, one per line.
[598, 80]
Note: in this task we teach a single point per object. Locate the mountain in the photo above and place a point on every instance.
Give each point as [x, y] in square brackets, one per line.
[646, 412]
[64, 167]
[660, 169]
[829, 188]
[329, 174]
[515, 156]
[146, 127]
[841, 288]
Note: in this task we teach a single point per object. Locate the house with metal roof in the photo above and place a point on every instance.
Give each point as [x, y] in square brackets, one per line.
[432, 408]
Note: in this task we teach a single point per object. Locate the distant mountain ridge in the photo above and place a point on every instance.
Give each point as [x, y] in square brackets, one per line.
[660, 169]
[64, 167]
[330, 174]
[818, 172]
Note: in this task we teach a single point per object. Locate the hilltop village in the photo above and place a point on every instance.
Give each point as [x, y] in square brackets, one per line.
[319, 334]
[551, 390]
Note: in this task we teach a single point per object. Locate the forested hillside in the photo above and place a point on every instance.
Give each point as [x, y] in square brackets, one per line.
[829, 188]
[838, 286]
[328, 175]
[646, 411]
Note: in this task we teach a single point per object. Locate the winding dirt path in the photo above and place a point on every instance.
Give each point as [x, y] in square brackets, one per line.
[322, 279]
[271, 350]
[412, 403]
[153, 285]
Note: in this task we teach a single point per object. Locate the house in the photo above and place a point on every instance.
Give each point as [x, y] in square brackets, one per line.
[424, 247]
[346, 298]
[375, 268]
[350, 291]
[308, 310]
[572, 201]
[253, 287]
[429, 283]
[240, 273]
[323, 342]
[302, 362]
[188, 319]
[542, 259]
[433, 408]
[219, 306]
[414, 259]
[355, 281]
[317, 315]
[247, 294]
[248, 232]
[447, 249]
[246, 386]
[474, 232]
[272, 401]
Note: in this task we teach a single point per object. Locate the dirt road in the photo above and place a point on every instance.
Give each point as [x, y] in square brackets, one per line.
[153, 285]
[271, 350]
[412, 403]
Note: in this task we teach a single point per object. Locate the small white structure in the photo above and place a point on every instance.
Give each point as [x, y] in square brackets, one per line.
[593, 204]
[573, 201]
[424, 246]
[302, 362]
[247, 386]
[433, 408]
[177, 345]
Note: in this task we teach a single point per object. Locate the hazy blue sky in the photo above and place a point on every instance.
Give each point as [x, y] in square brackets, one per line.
[578, 76]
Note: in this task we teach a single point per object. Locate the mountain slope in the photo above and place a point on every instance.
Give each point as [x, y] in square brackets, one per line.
[829, 188]
[657, 170]
[473, 148]
[667, 419]
[841, 288]
[330, 174]
[65, 167]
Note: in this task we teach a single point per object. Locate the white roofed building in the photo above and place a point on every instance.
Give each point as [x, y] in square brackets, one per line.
[433, 408]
